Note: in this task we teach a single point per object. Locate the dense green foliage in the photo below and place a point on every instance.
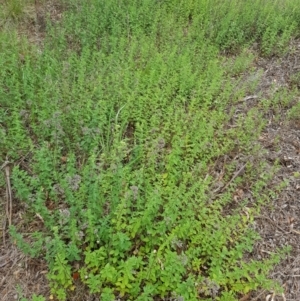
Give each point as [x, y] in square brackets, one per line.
[114, 127]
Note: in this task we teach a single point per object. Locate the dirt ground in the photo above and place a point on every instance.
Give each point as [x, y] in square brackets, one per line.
[278, 225]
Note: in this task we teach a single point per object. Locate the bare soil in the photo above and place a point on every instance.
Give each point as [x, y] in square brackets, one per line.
[279, 223]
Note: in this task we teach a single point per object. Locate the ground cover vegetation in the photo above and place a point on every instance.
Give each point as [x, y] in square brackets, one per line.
[114, 128]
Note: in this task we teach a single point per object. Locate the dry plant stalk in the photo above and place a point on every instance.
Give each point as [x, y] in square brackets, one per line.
[8, 208]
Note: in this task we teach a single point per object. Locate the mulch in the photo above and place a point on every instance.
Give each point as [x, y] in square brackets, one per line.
[279, 222]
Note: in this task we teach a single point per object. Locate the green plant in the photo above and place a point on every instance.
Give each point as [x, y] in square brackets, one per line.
[295, 79]
[294, 113]
[34, 296]
[15, 8]
[118, 128]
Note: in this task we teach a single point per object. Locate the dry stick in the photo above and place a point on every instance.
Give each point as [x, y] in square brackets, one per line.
[238, 173]
[4, 222]
[259, 295]
[272, 222]
[276, 226]
[3, 233]
[8, 194]
[8, 207]
[295, 231]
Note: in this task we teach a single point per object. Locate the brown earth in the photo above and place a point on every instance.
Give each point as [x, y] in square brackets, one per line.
[279, 223]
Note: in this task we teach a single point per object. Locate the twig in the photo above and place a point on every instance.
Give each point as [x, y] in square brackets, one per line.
[8, 194]
[8, 207]
[295, 231]
[250, 97]
[3, 261]
[116, 119]
[272, 222]
[259, 295]
[3, 232]
[271, 297]
[278, 227]
[4, 164]
[283, 297]
[238, 173]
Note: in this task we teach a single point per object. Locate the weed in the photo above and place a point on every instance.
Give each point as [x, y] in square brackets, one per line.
[34, 296]
[122, 116]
